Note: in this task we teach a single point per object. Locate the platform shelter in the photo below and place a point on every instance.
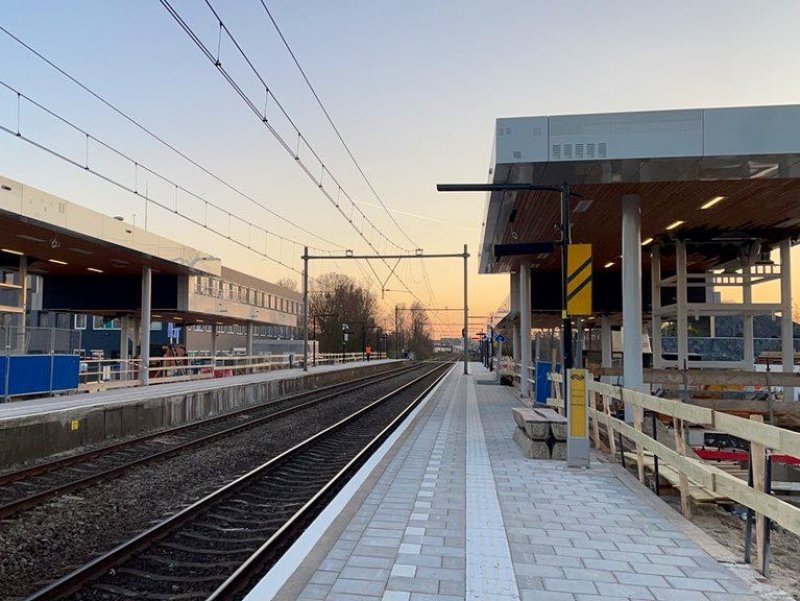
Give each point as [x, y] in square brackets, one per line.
[676, 204]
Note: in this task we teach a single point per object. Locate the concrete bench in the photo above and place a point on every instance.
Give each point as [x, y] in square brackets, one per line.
[541, 433]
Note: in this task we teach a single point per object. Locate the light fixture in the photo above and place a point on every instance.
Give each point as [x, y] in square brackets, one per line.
[154, 315]
[647, 241]
[177, 318]
[609, 264]
[57, 262]
[675, 224]
[11, 252]
[94, 269]
[712, 202]
[31, 238]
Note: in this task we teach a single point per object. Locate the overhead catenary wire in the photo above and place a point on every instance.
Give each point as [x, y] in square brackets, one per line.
[161, 140]
[139, 166]
[346, 147]
[293, 150]
[333, 125]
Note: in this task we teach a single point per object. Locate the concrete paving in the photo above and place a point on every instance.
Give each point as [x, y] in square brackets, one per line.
[121, 396]
[456, 512]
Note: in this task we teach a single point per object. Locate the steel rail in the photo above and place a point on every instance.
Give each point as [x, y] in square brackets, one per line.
[35, 499]
[74, 581]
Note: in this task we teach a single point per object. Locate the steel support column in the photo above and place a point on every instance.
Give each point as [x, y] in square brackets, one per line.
[606, 345]
[214, 329]
[23, 300]
[681, 300]
[787, 326]
[655, 288]
[524, 327]
[633, 372]
[250, 333]
[466, 315]
[514, 302]
[749, 359]
[305, 309]
[144, 325]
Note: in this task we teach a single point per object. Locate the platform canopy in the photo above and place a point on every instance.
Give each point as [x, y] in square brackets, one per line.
[62, 238]
[716, 178]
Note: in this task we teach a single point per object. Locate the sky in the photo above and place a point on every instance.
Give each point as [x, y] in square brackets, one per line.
[414, 88]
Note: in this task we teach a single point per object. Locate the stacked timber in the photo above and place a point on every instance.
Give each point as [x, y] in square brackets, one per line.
[541, 433]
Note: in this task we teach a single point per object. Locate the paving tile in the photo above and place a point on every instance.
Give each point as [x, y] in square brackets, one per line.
[460, 514]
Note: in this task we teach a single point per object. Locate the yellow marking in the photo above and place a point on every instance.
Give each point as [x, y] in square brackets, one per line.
[577, 403]
[579, 279]
[75, 424]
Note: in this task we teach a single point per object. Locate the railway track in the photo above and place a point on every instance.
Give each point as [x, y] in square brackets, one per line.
[216, 547]
[30, 487]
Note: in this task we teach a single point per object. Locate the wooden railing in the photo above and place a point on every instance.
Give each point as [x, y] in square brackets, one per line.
[764, 440]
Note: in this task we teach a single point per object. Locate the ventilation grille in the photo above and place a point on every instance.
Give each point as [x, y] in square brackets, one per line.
[517, 154]
[590, 150]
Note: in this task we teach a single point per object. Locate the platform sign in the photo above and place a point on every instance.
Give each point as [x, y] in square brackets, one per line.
[579, 279]
[500, 338]
[578, 435]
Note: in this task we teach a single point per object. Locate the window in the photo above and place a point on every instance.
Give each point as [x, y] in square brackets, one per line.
[101, 323]
[80, 322]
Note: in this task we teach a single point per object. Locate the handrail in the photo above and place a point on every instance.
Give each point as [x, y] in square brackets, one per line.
[97, 374]
[708, 476]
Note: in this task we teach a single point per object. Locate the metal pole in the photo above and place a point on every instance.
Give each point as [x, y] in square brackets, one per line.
[566, 322]
[396, 335]
[305, 308]
[52, 355]
[144, 325]
[655, 457]
[314, 321]
[466, 314]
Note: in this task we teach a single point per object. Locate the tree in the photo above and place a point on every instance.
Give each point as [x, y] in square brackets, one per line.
[287, 283]
[336, 299]
[414, 330]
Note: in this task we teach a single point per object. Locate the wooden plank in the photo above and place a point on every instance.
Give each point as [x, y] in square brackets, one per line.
[595, 421]
[668, 473]
[690, 413]
[637, 424]
[717, 480]
[757, 457]
[609, 424]
[706, 377]
[695, 469]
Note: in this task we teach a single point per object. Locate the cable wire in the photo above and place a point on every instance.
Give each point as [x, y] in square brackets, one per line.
[161, 140]
[215, 61]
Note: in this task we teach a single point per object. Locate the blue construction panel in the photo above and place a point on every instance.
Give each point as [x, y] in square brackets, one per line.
[542, 383]
[30, 374]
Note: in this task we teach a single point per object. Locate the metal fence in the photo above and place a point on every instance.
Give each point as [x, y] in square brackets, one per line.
[39, 340]
[36, 361]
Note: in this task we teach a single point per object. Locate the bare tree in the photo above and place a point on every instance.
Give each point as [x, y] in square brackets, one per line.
[288, 283]
[336, 300]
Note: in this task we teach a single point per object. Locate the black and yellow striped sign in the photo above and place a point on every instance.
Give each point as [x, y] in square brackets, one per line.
[579, 279]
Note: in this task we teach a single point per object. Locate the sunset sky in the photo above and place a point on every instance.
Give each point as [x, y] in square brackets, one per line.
[414, 88]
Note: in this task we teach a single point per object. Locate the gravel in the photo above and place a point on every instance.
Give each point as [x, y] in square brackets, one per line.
[49, 541]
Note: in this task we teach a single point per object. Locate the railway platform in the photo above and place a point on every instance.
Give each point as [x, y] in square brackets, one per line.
[452, 510]
[40, 427]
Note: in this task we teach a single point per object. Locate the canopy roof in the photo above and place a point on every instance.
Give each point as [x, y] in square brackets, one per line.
[675, 161]
[63, 238]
